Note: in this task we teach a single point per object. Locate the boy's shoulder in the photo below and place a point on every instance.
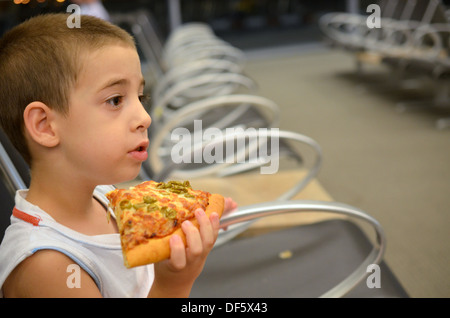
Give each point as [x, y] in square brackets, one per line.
[32, 229]
[44, 274]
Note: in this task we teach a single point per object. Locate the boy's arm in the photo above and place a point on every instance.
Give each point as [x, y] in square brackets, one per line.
[47, 273]
[175, 277]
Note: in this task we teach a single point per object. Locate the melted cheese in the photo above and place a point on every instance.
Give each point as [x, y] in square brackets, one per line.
[153, 209]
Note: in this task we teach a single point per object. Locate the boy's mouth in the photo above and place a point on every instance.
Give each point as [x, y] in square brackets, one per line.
[140, 152]
[142, 146]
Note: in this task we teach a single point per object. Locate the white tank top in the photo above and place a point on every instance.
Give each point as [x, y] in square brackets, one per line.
[100, 256]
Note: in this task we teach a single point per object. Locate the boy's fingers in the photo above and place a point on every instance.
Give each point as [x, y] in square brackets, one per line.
[197, 240]
[209, 227]
[177, 252]
[215, 221]
[193, 238]
[229, 205]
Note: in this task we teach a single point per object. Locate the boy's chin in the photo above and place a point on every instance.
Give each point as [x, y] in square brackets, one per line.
[125, 177]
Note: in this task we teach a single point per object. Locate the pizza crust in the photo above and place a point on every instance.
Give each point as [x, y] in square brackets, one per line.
[158, 249]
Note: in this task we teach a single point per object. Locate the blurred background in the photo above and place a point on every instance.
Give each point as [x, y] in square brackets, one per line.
[353, 98]
[291, 21]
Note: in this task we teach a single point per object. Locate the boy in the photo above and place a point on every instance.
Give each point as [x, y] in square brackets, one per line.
[71, 104]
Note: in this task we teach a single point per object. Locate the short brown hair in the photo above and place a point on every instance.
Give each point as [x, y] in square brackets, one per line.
[40, 60]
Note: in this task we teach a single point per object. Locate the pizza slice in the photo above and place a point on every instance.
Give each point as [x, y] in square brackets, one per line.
[150, 213]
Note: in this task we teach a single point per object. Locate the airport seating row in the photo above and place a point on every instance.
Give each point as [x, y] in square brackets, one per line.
[410, 37]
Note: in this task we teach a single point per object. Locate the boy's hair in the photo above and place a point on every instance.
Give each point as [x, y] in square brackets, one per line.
[40, 60]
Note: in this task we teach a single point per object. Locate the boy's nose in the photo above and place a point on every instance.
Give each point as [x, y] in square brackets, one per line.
[143, 119]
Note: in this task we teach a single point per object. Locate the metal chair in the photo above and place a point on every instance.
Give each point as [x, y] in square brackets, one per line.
[254, 287]
[165, 137]
[14, 175]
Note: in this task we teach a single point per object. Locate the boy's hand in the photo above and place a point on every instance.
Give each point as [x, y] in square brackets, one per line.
[229, 206]
[174, 277]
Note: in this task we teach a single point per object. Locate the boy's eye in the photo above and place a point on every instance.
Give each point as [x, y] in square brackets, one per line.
[115, 101]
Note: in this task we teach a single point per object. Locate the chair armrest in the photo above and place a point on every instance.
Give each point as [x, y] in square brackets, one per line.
[227, 168]
[7, 167]
[228, 80]
[436, 33]
[190, 70]
[245, 215]
[191, 112]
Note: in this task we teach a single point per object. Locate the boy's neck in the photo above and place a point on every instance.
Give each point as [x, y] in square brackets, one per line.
[65, 198]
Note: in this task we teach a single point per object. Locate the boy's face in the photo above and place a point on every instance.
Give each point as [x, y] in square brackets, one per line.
[104, 135]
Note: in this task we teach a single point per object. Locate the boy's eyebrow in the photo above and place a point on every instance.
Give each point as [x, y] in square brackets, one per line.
[120, 81]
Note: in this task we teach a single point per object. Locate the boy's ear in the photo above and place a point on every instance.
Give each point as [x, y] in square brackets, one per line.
[39, 122]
